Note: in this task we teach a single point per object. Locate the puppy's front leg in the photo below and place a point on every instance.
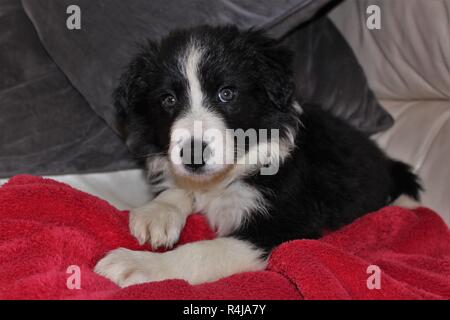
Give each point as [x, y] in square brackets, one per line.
[196, 262]
[161, 221]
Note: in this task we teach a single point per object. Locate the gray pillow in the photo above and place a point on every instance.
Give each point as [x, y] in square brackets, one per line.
[328, 74]
[93, 57]
[46, 126]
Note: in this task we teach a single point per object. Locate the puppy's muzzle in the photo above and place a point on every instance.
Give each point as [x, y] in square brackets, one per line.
[194, 154]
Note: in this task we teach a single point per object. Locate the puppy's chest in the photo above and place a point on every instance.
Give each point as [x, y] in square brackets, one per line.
[226, 209]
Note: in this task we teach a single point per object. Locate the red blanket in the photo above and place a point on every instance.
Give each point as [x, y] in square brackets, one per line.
[46, 227]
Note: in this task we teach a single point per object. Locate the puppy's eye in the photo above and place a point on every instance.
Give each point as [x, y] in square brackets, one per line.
[168, 101]
[227, 94]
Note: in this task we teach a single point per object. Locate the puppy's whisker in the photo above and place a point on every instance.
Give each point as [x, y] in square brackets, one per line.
[149, 155]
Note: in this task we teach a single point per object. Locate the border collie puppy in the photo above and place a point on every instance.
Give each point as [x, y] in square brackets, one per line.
[311, 171]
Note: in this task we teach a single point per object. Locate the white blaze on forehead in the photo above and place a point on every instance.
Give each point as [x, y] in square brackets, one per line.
[197, 119]
[191, 72]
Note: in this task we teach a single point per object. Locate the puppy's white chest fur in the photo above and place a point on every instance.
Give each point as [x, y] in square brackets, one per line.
[227, 208]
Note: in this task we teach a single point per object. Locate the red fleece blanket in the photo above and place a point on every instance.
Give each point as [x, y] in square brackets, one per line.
[46, 227]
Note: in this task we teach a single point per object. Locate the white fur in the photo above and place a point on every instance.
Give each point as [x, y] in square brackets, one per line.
[190, 70]
[198, 120]
[197, 262]
[287, 144]
[226, 209]
[156, 165]
[158, 173]
[226, 205]
[406, 202]
[297, 108]
[270, 154]
[160, 222]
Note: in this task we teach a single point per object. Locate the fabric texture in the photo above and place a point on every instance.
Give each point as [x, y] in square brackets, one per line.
[46, 227]
[407, 63]
[328, 74]
[420, 137]
[408, 57]
[46, 126]
[94, 57]
[49, 128]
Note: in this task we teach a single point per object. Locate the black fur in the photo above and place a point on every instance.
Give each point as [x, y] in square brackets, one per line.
[334, 174]
[256, 63]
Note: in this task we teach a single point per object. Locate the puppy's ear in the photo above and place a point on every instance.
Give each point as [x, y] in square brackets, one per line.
[275, 63]
[133, 83]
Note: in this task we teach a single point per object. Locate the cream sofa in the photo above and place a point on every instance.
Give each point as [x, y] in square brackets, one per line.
[407, 63]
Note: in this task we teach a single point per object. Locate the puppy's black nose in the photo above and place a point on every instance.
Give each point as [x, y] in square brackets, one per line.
[194, 154]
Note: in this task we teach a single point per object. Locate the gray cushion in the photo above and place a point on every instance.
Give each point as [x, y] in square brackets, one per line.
[328, 74]
[66, 136]
[93, 57]
[46, 126]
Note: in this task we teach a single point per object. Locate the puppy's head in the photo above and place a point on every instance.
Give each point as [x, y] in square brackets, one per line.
[187, 96]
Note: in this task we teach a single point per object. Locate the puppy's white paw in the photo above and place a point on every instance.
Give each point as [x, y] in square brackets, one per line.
[159, 223]
[126, 267]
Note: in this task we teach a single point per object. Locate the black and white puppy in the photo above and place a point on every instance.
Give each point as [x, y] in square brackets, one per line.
[321, 173]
